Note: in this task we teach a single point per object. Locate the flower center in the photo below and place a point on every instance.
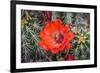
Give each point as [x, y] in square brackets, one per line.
[58, 37]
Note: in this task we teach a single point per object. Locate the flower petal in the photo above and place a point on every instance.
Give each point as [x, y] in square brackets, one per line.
[61, 48]
[54, 50]
[70, 36]
[67, 26]
[43, 45]
[68, 46]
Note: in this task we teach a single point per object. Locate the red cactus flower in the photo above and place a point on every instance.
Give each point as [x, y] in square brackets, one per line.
[56, 37]
[69, 57]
